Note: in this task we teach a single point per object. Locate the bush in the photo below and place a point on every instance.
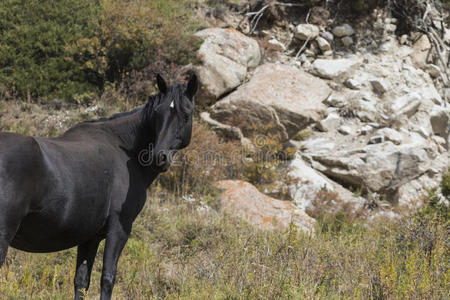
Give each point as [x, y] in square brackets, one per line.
[33, 37]
[64, 48]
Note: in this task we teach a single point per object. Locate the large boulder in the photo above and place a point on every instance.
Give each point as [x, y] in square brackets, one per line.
[380, 167]
[278, 99]
[242, 199]
[309, 183]
[225, 56]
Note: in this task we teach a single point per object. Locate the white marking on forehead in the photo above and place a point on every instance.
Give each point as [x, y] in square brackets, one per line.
[172, 104]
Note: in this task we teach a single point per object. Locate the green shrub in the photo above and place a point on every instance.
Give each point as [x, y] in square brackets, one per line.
[33, 37]
[64, 48]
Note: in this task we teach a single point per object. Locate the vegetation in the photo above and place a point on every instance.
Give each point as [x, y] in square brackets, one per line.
[182, 248]
[178, 251]
[59, 49]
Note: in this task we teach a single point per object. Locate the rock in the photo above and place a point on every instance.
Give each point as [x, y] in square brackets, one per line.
[403, 39]
[420, 51]
[390, 28]
[379, 86]
[334, 68]
[328, 53]
[379, 167]
[241, 199]
[330, 123]
[439, 119]
[320, 145]
[309, 184]
[323, 44]
[279, 100]
[407, 104]
[335, 100]
[347, 41]
[327, 35]
[365, 130]
[306, 31]
[367, 106]
[343, 30]
[226, 131]
[433, 70]
[225, 56]
[365, 116]
[377, 139]
[345, 130]
[352, 84]
[391, 135]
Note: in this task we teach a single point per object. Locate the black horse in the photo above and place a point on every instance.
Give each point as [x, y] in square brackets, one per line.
[90, 183]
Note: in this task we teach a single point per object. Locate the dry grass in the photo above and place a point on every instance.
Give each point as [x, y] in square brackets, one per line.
[182, 250]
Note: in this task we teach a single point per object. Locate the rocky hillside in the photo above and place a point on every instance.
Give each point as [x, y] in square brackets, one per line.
[364, 105]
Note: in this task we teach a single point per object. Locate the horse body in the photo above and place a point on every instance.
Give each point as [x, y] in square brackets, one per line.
[84, 186]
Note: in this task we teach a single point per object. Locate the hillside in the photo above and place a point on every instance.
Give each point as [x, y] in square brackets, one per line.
[318, 166]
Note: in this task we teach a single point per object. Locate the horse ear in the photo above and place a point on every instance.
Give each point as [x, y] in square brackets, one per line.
[162, 86]
[192, 86]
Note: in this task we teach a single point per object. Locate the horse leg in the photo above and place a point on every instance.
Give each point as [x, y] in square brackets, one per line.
[9, 224]
[85, 260]
[115, 241]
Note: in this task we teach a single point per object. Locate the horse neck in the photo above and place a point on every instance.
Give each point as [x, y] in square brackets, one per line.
[132, 131]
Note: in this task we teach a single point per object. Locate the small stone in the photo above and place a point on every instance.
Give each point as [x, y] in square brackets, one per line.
[374, 124]
[439, 120]
[407, 104]
[343, 30]
[365, 130]
[328, 53]
[334, 68]
[306, 31]
[377, 139]
[335, 101]
[327, 35]
[365, 116]
[309, 53]
[379, 86]
[391, 135]
[352, 84]
[438, 140]
[347, 41]
[329, 123]
[323, 44]
[345, 130]
[433, 70]
[390, 28]
[403, 39]
[303, 58]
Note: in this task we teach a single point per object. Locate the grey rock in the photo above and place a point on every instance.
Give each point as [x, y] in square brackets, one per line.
[345, 130]
[352, 84]
[327, 35]
[225, 56]
[335, 100]
[330, 123]
[343, 30]
[377, 139]
[306, 31]
[391, 135]
[439, 119]
[347, 41]
[279, 99]
[380, 86]
[323, 44]
[407, 104]
[334, 68]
